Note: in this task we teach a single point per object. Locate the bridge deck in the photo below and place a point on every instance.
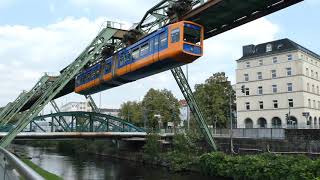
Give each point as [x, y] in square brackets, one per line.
[82, 135]
[218, 16]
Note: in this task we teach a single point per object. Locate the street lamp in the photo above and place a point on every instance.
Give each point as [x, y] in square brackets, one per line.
[159, 120]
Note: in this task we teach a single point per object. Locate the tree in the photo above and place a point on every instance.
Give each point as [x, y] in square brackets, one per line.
[163, 103]
[132, 112]
[213, 97]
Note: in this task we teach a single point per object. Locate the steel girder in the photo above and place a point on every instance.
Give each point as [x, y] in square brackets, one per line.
[157, 17]
[86, 122]
[88, 55]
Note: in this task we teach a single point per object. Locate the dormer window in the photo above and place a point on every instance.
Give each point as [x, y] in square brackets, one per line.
[280, 46]
[269, 47]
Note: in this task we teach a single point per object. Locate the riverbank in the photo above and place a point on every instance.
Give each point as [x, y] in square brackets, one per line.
[189, 154]
[88, 166]
[45, 174]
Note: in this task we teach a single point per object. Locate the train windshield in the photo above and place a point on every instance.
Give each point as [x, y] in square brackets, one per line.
[192, 34]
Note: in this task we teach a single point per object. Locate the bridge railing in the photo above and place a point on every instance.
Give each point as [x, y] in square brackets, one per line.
[12, 168]
[255, 133]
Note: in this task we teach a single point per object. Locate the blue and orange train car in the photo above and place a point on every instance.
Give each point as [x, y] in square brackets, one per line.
[171, 46]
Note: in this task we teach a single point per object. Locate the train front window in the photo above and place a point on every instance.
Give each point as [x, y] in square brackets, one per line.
[175, 35]
[192, 34]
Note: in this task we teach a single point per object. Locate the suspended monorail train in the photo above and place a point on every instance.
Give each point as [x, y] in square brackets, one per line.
[169, 47]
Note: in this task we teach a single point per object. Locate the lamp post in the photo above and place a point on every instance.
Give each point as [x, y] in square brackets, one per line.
[188, 110]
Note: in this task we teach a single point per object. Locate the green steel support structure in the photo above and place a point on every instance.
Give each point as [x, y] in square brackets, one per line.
[57, 109]
[92, 104]
[85, 122]
[89, 54]
[22, 99]
[188, 95]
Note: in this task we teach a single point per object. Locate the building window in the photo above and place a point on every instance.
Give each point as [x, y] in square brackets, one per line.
[247, 91]
[260, 91]
[275, 60]
[247, 106]
[289, 87]
[289, 57]
[274, 88]
[314, 104]
[290, 102]
[260, 62]
[308, 87]
[312, 88]
[274, 74]
[275, 104]
[261, 104]
[259, 74]
[317, 75]
[247, 64]
[307, 71]
[312, 74]
[309, 103]
[289, 71]
[246, 77]
[269, 47]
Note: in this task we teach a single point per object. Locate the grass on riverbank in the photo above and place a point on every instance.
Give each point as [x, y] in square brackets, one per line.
[45, 174]
[262, 166]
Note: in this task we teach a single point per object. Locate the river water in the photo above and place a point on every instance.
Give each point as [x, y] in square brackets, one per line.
[88, 167]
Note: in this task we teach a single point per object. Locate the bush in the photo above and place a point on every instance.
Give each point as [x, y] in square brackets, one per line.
[265, 166]
[152, 146]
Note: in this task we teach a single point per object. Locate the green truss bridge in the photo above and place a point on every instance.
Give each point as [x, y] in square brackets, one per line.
[76, 125]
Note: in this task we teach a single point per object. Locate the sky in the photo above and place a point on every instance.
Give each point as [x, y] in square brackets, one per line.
[38, 36]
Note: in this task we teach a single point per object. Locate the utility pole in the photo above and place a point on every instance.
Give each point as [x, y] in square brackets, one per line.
[188, 111]
[231, 124]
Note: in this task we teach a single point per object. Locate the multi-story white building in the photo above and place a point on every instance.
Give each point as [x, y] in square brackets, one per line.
[277, 80]
[184, 112]
[76, 106]
[111, 112]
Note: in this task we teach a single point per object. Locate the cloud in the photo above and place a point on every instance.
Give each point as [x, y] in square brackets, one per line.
[27, 52]
[5, 3]
[128, 10]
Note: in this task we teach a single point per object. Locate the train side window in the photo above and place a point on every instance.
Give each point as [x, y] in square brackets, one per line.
[163, 40]
[128, 57]
[175, 35]
[156, 43]
[135, 54]
[122, 60]
[108, 67]
[144, 50]
[151, 46]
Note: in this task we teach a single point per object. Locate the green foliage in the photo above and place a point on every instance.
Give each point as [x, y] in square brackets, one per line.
[266, 166]
[45, 174]
[152, 146]
[213, 98]
[161, 102]
[132, 112]
[155, 102]
[185, 152]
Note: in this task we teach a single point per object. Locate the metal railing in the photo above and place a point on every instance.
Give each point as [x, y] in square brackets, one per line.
[12, 168]
[254, 133]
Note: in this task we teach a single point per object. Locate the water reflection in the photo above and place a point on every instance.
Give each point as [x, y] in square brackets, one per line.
[92, 167]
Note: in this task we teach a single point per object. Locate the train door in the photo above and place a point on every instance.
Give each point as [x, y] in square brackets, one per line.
[114, 65]
[156, 48]
[101, 71]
